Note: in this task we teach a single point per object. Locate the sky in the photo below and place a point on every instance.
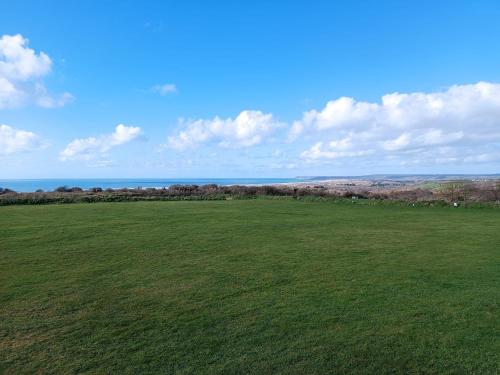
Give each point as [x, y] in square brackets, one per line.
[176, 89]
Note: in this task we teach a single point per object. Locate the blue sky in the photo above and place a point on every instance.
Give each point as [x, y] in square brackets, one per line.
[248, 89]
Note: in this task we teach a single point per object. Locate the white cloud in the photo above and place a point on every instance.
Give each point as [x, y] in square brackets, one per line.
[21, 71]
[317, 151]
[464, 118]
[249, 128]
[295, 131]
[14, 140]
[10, 95]
[398, 143]
[168, 88]
[19, 62]
[43, 99]
[93, 147]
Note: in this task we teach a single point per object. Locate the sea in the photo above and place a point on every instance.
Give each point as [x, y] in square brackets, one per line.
[31, 185]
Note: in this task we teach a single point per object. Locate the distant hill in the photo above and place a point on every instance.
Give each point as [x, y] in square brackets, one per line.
[405, 177]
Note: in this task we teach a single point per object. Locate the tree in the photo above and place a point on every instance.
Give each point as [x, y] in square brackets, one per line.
[452, 190]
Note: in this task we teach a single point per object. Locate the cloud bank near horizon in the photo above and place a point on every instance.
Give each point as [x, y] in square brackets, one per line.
[455, 126]
[460, 124]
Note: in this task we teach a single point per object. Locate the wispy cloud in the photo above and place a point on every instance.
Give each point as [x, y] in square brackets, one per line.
[165, 89]
[43, 99]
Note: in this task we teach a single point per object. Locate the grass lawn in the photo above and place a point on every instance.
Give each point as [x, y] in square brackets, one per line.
[260, 286]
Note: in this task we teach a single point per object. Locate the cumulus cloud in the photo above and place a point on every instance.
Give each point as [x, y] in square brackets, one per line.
[21, 71]
[168, 88]
[249, 128]
[14, 140]
[445, 126]
[94, 147]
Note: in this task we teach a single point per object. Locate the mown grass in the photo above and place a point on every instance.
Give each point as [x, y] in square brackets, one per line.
[259, 286]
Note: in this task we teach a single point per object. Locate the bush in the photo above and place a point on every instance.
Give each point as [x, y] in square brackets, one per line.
[64, 194]
[6, 191]
[62, 189]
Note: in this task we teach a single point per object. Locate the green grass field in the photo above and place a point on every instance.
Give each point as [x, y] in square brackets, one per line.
[258, 286]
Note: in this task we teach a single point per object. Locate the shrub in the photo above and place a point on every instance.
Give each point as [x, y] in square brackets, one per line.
[62, 189]
[65, 194]
[6, 191]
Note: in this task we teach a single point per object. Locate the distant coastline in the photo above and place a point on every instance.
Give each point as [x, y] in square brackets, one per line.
[405, 177]
[32, 185]
[50, 184]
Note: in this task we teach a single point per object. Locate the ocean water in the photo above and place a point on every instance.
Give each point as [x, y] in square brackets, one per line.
[119, 183]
